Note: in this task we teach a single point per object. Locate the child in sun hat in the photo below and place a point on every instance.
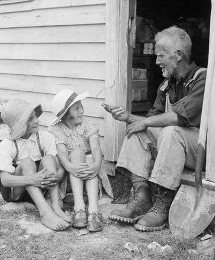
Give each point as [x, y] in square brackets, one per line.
[28, 163]
[80, 154]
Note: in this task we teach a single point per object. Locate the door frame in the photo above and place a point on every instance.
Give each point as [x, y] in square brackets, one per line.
[120, 37]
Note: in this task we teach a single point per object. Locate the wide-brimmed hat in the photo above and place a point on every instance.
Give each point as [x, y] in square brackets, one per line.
[63, 100]
[15, 113]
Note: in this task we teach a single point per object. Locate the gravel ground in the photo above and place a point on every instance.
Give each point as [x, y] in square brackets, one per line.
[115, 242]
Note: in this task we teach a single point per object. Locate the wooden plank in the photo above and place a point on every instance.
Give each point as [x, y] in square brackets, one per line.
[84, 70]
[44, 4]
[61, 52]
[58, 34]
[46, 119]
[92, 106]
[117, 80]
[209, 105]
[7, 2]
[52, 17]
[51, 85]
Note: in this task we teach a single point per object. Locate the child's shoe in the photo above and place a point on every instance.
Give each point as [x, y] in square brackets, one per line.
[95, 223]
[80, 219]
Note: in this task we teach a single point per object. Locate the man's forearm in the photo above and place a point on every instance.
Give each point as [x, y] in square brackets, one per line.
[134, 118]
[162, 120]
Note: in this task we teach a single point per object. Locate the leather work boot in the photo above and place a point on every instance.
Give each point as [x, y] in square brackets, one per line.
[137, 207]
[157, 217]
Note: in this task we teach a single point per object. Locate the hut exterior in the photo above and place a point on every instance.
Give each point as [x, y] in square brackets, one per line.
[48, 45]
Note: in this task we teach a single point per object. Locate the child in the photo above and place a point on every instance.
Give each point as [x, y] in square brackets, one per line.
[75, 140]
[28, 163]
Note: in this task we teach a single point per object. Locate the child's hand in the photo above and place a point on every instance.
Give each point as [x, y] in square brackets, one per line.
[49, 180]
[78, 169]
[44, 179]
[90, 172]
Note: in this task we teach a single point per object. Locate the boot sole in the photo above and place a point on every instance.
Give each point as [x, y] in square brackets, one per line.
[149, 229]
[126, 220]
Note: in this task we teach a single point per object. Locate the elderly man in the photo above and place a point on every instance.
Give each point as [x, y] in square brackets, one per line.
[168, 135]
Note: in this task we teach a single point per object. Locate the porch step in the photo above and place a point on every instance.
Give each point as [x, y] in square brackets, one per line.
[189, 179]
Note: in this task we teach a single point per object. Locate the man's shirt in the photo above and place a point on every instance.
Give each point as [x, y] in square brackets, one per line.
[186, 99]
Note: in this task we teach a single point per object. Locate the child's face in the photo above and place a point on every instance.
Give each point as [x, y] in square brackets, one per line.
[32, 124]
[76, 112]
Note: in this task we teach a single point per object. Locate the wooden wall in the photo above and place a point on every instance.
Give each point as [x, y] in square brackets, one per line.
[48, 45]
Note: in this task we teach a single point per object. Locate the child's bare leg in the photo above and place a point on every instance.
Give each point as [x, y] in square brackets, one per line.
[49, 162]
[77, 156]
[92, 192]
[77, 189]
[47, 215]
[18, 191]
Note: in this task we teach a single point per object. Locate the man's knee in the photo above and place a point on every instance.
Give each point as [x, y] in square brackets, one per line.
[169, 132]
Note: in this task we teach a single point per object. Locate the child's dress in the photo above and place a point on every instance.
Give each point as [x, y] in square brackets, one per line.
[78, 139]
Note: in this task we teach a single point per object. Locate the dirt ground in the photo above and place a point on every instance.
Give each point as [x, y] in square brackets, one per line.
[115, 242]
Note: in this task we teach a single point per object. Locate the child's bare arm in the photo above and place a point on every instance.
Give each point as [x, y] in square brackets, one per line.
[97, 156]
[9, 180]
[74, 168]
[96, 149]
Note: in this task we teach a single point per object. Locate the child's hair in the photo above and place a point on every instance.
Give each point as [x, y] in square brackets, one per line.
[67, 116]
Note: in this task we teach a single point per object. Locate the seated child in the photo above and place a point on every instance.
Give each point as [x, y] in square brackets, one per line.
[75, 140]
[28, 163]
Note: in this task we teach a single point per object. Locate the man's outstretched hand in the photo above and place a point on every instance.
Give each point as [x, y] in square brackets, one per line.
[117, 112]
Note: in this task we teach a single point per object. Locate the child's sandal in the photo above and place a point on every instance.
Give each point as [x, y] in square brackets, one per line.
[95, 223]
[80, 219]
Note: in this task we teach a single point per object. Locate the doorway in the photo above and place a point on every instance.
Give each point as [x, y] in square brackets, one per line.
[156, 15]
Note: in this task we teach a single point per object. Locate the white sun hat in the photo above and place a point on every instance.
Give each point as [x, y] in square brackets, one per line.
[15, 113]
[63, 100]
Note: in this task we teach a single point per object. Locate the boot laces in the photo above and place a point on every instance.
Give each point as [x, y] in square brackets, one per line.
[132, 199]
[160, 204]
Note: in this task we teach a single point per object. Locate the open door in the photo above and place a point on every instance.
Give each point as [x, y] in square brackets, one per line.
[120, 32]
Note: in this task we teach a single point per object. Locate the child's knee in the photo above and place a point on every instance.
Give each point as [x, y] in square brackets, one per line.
[49, 162]
[48, 158]
[60, 174]
[27, 163]
[77, 156]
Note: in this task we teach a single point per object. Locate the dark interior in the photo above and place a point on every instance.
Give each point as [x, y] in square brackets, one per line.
[153, 16]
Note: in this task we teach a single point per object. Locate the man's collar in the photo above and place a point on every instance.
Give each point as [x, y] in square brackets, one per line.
[186, 77]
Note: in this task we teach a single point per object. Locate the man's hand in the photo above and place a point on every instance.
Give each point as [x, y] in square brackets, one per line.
[117, 112]
[135, 127]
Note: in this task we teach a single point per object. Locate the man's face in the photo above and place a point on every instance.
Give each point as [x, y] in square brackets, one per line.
[166, 58]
